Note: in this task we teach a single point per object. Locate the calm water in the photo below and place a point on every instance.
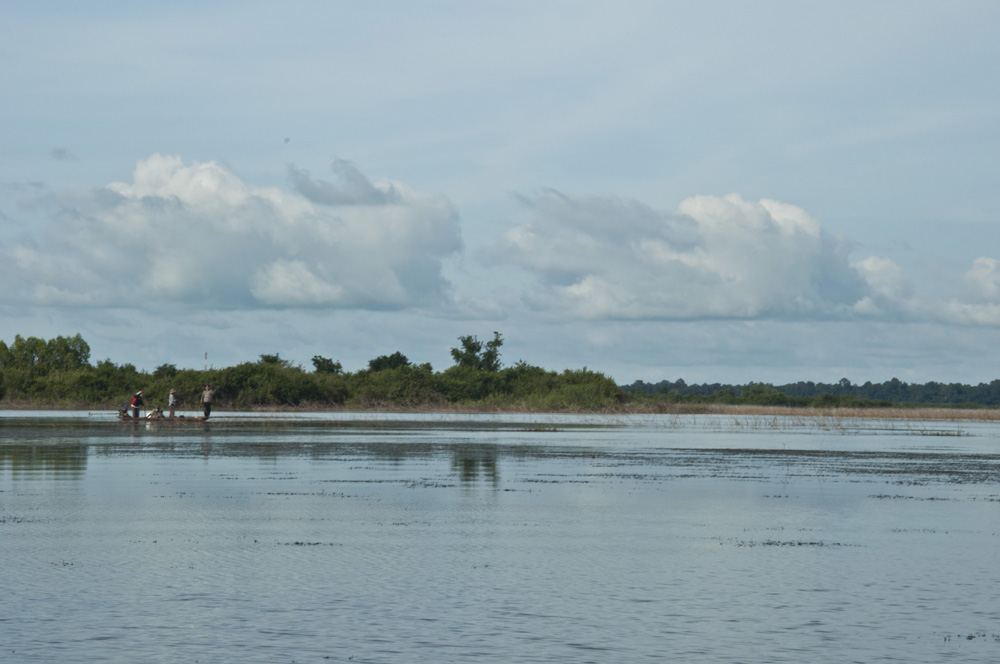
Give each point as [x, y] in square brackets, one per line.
[361, 538]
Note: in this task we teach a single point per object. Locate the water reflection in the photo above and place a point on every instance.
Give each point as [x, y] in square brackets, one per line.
[471, 463]
[64, 461]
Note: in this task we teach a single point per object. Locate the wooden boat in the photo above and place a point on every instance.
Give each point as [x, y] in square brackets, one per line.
[180, 419]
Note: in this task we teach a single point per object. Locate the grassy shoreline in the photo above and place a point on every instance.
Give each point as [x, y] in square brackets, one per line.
[643, 408]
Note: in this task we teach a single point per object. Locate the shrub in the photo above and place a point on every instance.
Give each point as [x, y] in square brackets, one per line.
[405, 385]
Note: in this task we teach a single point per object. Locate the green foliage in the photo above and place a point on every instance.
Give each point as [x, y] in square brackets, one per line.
[725, 396]
[526, 386]
[841, 392]
[165, 371]
[57, 372]
[583, 390]
[265, 383]
[523, 381]
[383, 362]
[273, 359]
[401, 386]
[465, 384]
[326, 365]
[39, 357]
[472, 355]
[333, 388]
[759, 394]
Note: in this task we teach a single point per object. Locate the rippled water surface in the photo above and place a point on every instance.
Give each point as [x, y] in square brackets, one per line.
[376, 538]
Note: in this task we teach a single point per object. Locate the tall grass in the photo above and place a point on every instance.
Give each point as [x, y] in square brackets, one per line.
[888, 413]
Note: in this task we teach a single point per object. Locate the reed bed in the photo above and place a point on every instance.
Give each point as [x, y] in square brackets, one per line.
[893, 413]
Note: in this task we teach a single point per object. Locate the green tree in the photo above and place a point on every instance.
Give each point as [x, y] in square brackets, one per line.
[29, 355]
[39, 357]
[473, 355]
[326, 365]
[383, 362]
[67, 353]
[165, 371]
[273, 359]
[405, 385]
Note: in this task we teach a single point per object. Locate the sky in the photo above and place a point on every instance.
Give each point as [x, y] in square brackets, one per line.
[715, 191]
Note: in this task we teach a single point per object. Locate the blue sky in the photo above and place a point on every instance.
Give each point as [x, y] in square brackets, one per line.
[714, 191]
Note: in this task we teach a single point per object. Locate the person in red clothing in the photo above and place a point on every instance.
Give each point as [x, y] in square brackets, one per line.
[136, 404]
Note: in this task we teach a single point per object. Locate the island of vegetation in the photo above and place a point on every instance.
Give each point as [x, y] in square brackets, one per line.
[58, 373]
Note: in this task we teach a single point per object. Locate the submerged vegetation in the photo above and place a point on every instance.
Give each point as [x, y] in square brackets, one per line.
[58, 373]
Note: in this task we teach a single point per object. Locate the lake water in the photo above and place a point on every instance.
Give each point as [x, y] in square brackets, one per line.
[532, 538]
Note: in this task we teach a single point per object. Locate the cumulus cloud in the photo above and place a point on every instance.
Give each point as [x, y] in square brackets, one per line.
[888, 289]
[717, 257]
[983, 280]
[980, 304]
[883, 276]
[197, 234]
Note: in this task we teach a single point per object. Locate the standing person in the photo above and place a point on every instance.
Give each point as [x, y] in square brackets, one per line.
[136, 404]
[172, 401]
[206, 400]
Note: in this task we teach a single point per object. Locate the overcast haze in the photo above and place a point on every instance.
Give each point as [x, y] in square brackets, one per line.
[714, 191]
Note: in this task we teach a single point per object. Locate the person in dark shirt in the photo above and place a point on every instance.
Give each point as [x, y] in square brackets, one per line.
[136, 404]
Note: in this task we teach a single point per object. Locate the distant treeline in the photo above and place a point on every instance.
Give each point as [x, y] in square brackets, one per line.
[58, 373]
[843, 392]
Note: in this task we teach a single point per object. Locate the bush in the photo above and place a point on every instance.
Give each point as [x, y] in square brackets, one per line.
[265, 383]
[584, 390]
[462, 384]
[404, 385]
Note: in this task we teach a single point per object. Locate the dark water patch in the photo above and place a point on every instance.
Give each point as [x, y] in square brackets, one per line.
[428, 484]
[324, 494]
[886, 496]
[982, 636]
[742, 543]
[925, 531]
[16, 520]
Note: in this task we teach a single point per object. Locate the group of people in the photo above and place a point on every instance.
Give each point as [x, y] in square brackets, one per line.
[136, 403]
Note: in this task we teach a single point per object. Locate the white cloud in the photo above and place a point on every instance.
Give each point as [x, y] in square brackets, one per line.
[964, 313]
[983, 280]
[717, 257]
[291, 283]
[981, 304]
[883, 276]
[605, 258]
[890, 292]
[197, 234]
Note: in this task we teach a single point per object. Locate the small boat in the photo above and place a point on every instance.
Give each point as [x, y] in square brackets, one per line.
[156, 415]
[180, 419]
